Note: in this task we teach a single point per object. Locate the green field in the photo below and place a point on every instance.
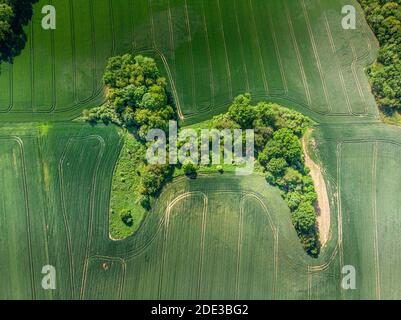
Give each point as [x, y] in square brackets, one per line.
[220, 236]
[211, 50]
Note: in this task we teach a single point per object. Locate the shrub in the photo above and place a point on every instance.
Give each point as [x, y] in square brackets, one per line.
[126, 217]
[144, 201]
[304, 218]
[190, 169]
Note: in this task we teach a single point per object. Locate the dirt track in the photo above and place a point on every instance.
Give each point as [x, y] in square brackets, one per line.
[323, 206]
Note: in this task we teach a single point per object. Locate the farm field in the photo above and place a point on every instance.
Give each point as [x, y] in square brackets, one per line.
[210, 56]
[217, 228]
[235, 232]
[219, 236]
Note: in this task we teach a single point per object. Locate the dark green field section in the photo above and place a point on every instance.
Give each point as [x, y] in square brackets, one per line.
[292, 52]
[214, 237]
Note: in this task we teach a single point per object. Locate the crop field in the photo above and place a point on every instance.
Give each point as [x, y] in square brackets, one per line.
[232, 236]
[219, 236]
[211, 51]
[214, 237]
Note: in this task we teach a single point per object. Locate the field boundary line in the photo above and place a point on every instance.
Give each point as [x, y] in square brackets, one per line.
[239, 246]
[152, 23]
[357, 81]
[203, 236]
[94, 61]
[309, 277]
[92, 199]
[298, 54]
[278, 54]
[228, 70]
[316, 53]
[340, 72]
[241, 48]
[374, 207]
[20, 144]
[10, 89]
[339, 210]
[172, 83]
[73, 51]
[30, 40]
[188, 25]
[63, 210]
[171, 36]
[212, 88]
[262, 65]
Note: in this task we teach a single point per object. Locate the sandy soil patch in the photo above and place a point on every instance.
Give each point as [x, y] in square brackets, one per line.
[323, 205]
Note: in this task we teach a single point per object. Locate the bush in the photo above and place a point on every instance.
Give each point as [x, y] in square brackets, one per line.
[144, 201]
[241, 111]
[190, 169]
[153, 179]
[277, 166]
[136, 98]
[304, 218]
[126, 217]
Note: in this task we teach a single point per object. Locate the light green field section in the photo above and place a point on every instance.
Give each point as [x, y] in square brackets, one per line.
[293, 52]
[219, 236]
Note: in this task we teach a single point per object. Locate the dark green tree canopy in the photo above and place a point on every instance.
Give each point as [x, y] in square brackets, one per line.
[136, 95]
[385, 19]
[14, 15]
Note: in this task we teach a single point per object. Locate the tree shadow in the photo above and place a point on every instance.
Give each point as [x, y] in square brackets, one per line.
[14, 42]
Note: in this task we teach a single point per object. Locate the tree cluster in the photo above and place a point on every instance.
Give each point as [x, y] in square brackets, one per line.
[385, 19]
[14, 15]
[136, 96]
[137, 100]
[278, 132]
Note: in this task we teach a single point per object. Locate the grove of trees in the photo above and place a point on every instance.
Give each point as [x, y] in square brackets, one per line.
[278, 133]
[137, 100]
[384, 17]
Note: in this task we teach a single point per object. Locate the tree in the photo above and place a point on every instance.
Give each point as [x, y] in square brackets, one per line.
[126, 217]
[304, 218]
[153, 179]
[291, 181]
[241, 111]
[14, 15]
[265, 114]
[385, 75]
[136, 94]
[277, 166]
[144, 202]
[284, 145]
[190, 169]
[6, 16]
